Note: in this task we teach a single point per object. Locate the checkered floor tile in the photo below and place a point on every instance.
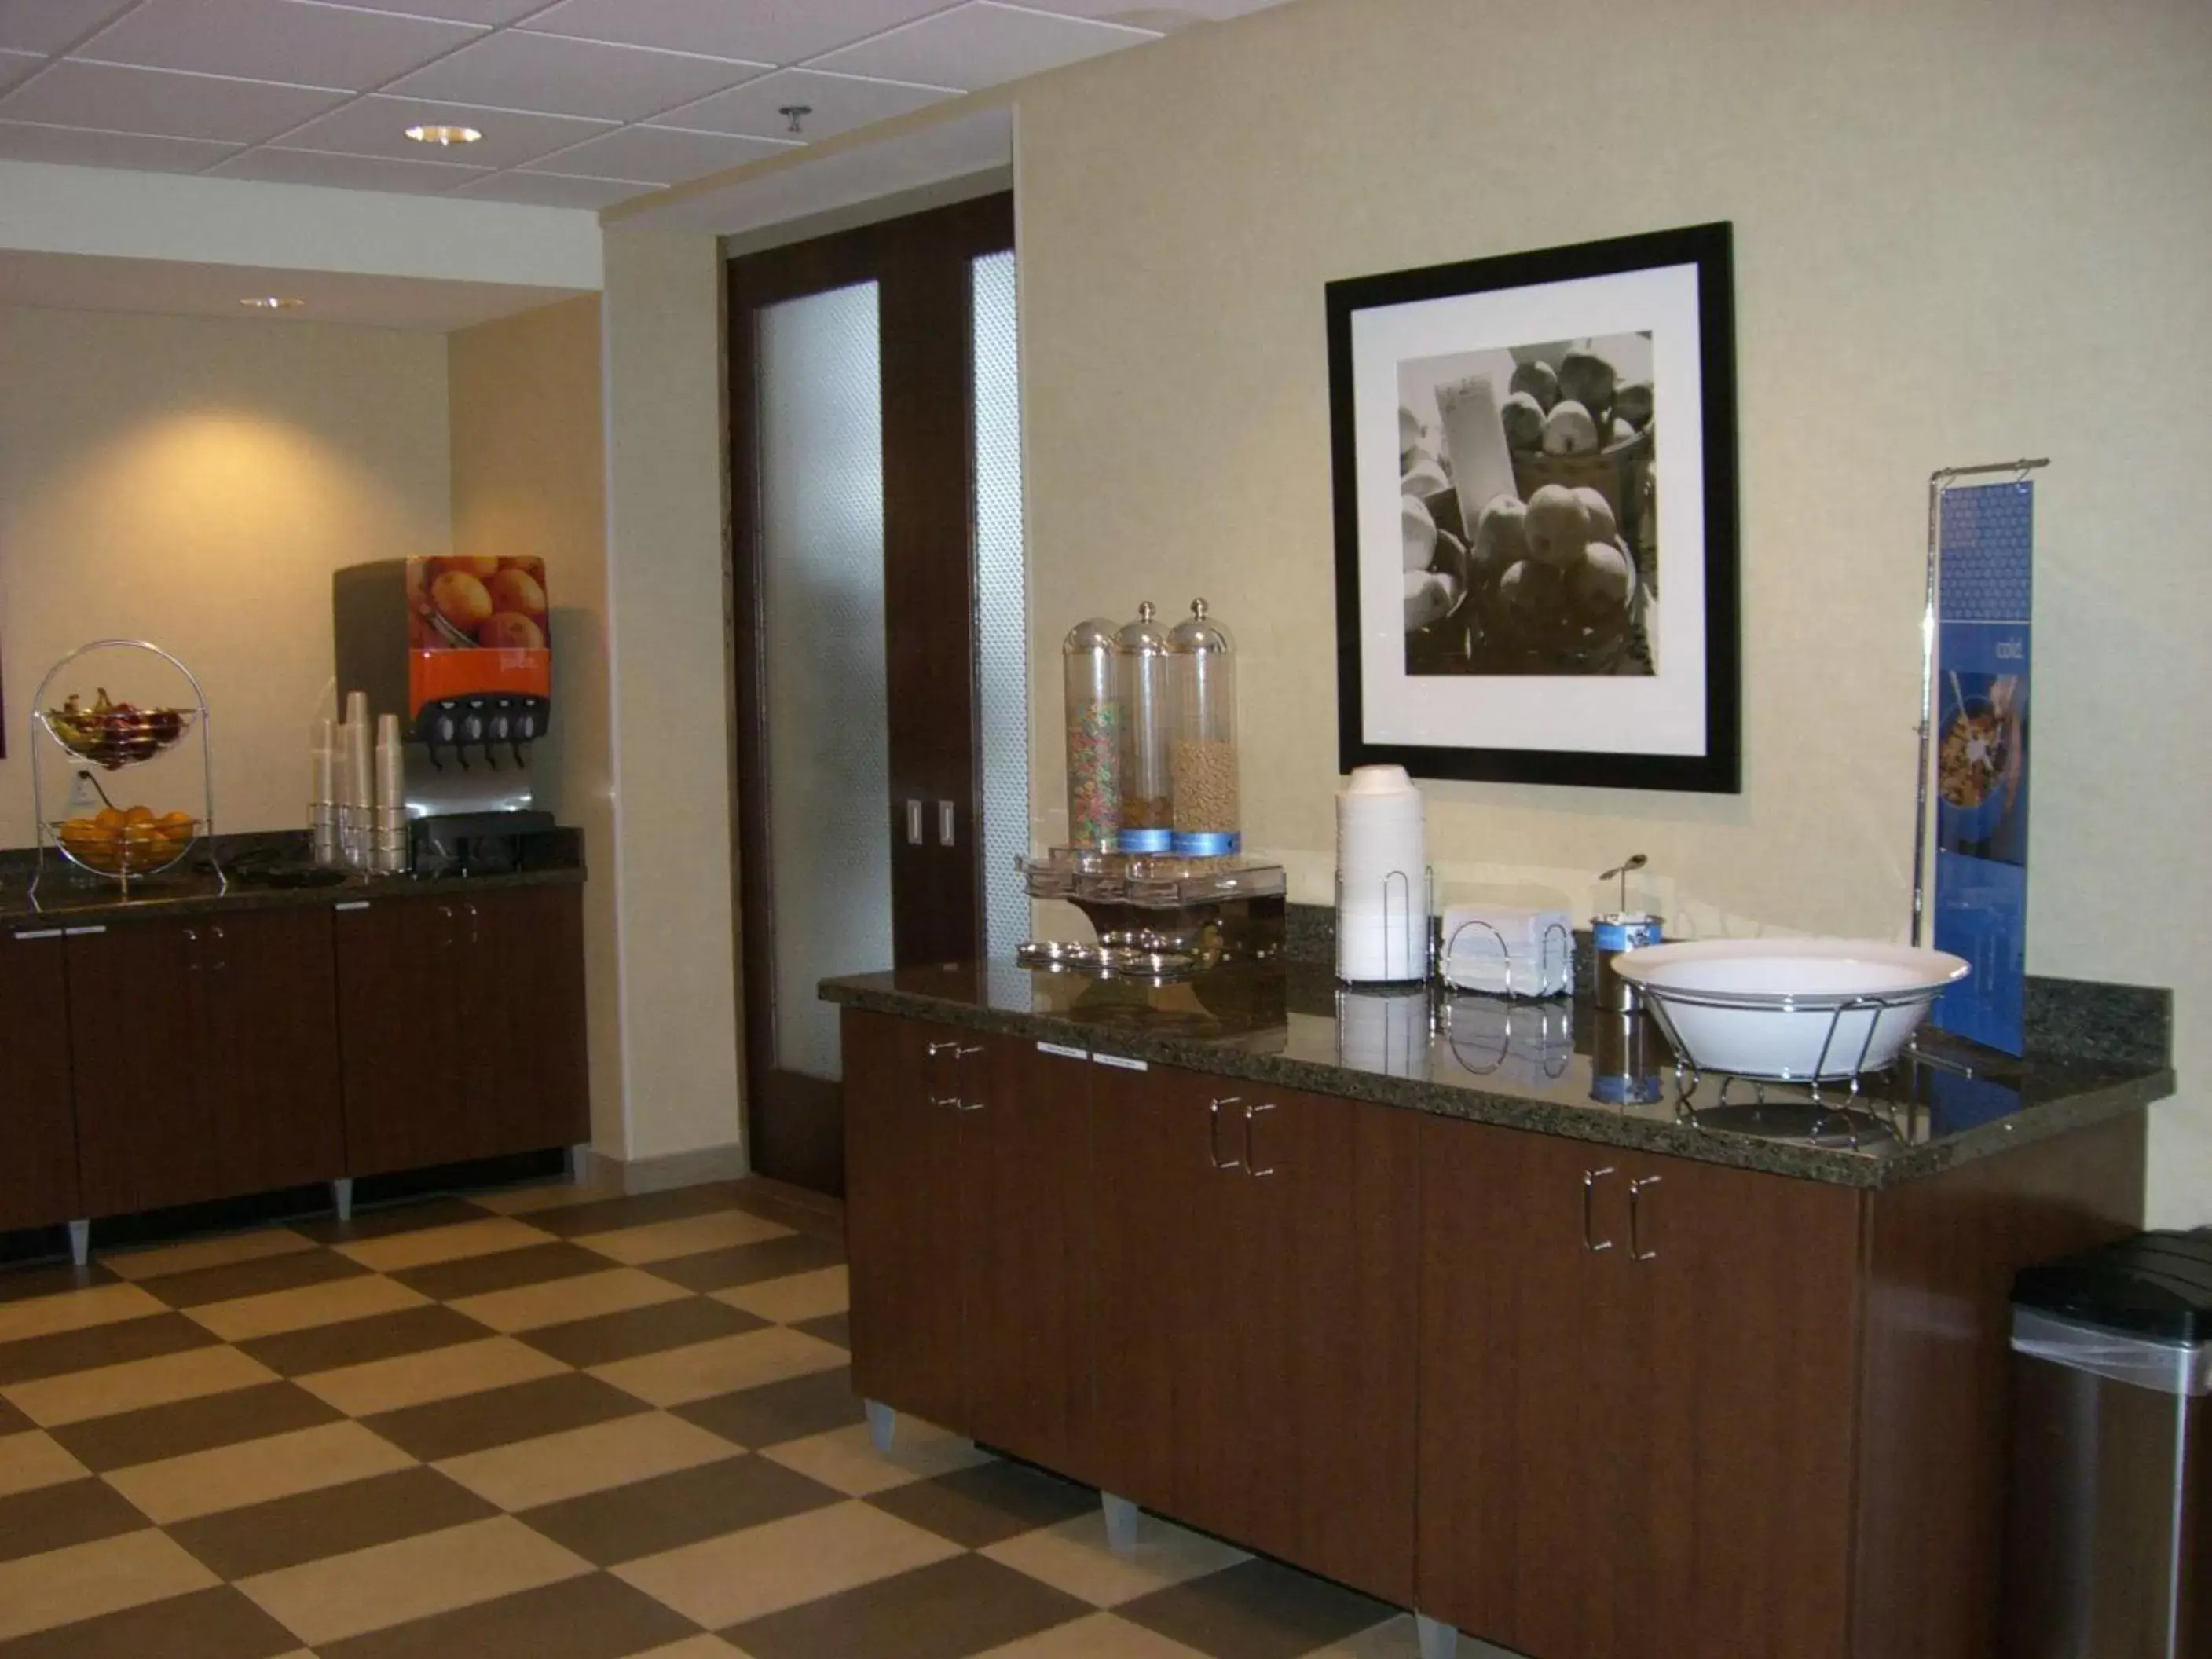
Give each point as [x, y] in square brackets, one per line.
[543, 1423]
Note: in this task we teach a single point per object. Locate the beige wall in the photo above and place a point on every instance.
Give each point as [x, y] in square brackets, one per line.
[194, 482]
[1962, 234]
[530, 479]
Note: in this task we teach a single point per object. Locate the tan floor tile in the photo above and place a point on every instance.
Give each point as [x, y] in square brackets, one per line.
[255, 1471]
[31, 1460]
[1073, 1557]
[1102, 1636]
[559, 1301]
[762, 1570]
[397, 1251]
[788, 1300]
[678, 1376]
[75, 1310]
[305, 1309]
[415, 1379]
[369, 1589]
[566, 1465]
[1396, 1639]
[846, 1460]
[62, 1586]
[663, 1240]
[80, 1396]
[694, 1647]
[232, 1248]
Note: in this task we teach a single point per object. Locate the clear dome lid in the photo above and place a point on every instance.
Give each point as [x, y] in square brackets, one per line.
[1144, 637]
[1092, 634]
[1200, 634]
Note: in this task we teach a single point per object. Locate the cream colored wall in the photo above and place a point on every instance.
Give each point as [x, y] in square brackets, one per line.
[194, 482]
[666, 611]
[530, 479]
[1963, 234]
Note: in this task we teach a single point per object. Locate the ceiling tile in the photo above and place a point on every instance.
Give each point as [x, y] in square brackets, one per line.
[980, 45]
[1138, 14]
[516, 70]
[53, 25]
[659, 155]
[764, 31]
[378, 126]
[308, 166]
[553, 190]
[14, 65]
[464, 11]
[167, 104]
[836, 103]
[75, 147]
[276, 40]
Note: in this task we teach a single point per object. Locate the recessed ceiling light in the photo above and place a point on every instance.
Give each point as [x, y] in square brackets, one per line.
[443, 135]
[272, 302]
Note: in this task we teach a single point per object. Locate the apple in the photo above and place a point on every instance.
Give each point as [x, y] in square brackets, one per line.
[1631, 401]
[1524, 420]
[1501, 537]
[1423, 477]
[1420, 531]
[1537, 379]
[1569, 429]
[1429, 599]
[1603, 527]
[1601, 582]
[1558, 526]
[1588, 379]
[1530, 594]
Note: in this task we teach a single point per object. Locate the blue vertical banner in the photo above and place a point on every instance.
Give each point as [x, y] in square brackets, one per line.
[1982, 659]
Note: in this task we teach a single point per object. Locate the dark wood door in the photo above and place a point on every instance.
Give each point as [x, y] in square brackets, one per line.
[265, 1058]
[38, 1121]
[1026, 1251]
[401, 967]
[145, 1135]
[524, 1077]
[921, 265]
[902, 1222]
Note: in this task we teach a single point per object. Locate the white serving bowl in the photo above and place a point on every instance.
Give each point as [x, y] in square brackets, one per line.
[1790, 1008]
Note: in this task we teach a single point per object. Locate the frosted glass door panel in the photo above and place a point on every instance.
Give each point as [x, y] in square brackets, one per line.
[1002, 623]
[828, 761]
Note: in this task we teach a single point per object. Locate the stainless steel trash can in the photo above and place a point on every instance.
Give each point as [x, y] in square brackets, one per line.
[2109, 1525]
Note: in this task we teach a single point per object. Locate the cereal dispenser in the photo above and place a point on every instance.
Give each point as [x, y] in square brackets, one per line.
[1094, 736]
[1202, 675]
[1141, 652]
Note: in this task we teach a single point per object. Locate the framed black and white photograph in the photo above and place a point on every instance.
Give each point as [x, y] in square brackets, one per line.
[1534, 469]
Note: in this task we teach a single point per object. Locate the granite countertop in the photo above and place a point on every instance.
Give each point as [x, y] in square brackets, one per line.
[1554, 1067]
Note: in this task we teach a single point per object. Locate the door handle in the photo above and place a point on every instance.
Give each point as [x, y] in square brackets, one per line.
[914, 824]
[937, 1052]
[958, 1104]
[1636, 1250]
[1213, 1134]
[1591, 1178]
[1252, 1164]
[944, 823]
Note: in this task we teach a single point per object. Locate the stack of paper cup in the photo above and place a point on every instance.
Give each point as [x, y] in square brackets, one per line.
[1384, 1031]
[389, 849]
[1382, 879]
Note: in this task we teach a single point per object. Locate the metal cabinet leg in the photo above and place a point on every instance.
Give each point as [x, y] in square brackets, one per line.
[1120, 1522]
[342, 1197]
[80, 1242]
[579, 1162]
[1439, 1641]
[883, 1424]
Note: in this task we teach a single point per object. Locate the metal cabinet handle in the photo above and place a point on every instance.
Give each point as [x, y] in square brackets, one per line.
[958, 1104]
[476, 937]
[1591, 1178]
[193, 953]
[944, 823]
[222, 961]
[1252, 1164]
[1636, 1250]
[939, 1051]
[1213, 1134]
[914, 824]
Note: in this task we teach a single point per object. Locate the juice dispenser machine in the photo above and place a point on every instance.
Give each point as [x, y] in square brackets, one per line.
[459, 649]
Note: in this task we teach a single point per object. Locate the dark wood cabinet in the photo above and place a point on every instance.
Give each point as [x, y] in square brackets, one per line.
[204, 1058]
[461, 1026]
[38, 1124]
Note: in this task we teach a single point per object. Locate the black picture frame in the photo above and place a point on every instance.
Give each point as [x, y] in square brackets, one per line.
[1719, 768]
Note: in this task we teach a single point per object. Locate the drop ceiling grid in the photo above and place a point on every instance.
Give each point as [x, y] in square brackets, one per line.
[583, 102]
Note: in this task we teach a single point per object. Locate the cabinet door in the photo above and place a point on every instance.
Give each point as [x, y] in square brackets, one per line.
[400, 965]
[1025, 1252]
[265, 1049]
[521, 999]
[902, 1223]
[38, 1123]
[145, 1138]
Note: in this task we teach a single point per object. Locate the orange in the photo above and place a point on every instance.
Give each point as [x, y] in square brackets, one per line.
[139, 814]
[109, 819]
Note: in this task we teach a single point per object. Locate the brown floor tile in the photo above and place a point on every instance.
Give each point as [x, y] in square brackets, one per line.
[11, 1421]
[500, 1416]
[831, 1328]
[663, 1241]
[115, 1344]
[790, 1410]
[951, 1610]
[1257, 1610]
[192, 1425]
[232, 1281]
[70, 1512]
[748, 1264]
[671, 1511]
[387, 1222]
[358, 1341]
[636, 1331]
[607, 1215]
[209, 1623]
[50, 1279]
[1100, 1636]
[501, 1270]
[989, 1504]
[797, 1207]
[591, 1617]
[313, 1526]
